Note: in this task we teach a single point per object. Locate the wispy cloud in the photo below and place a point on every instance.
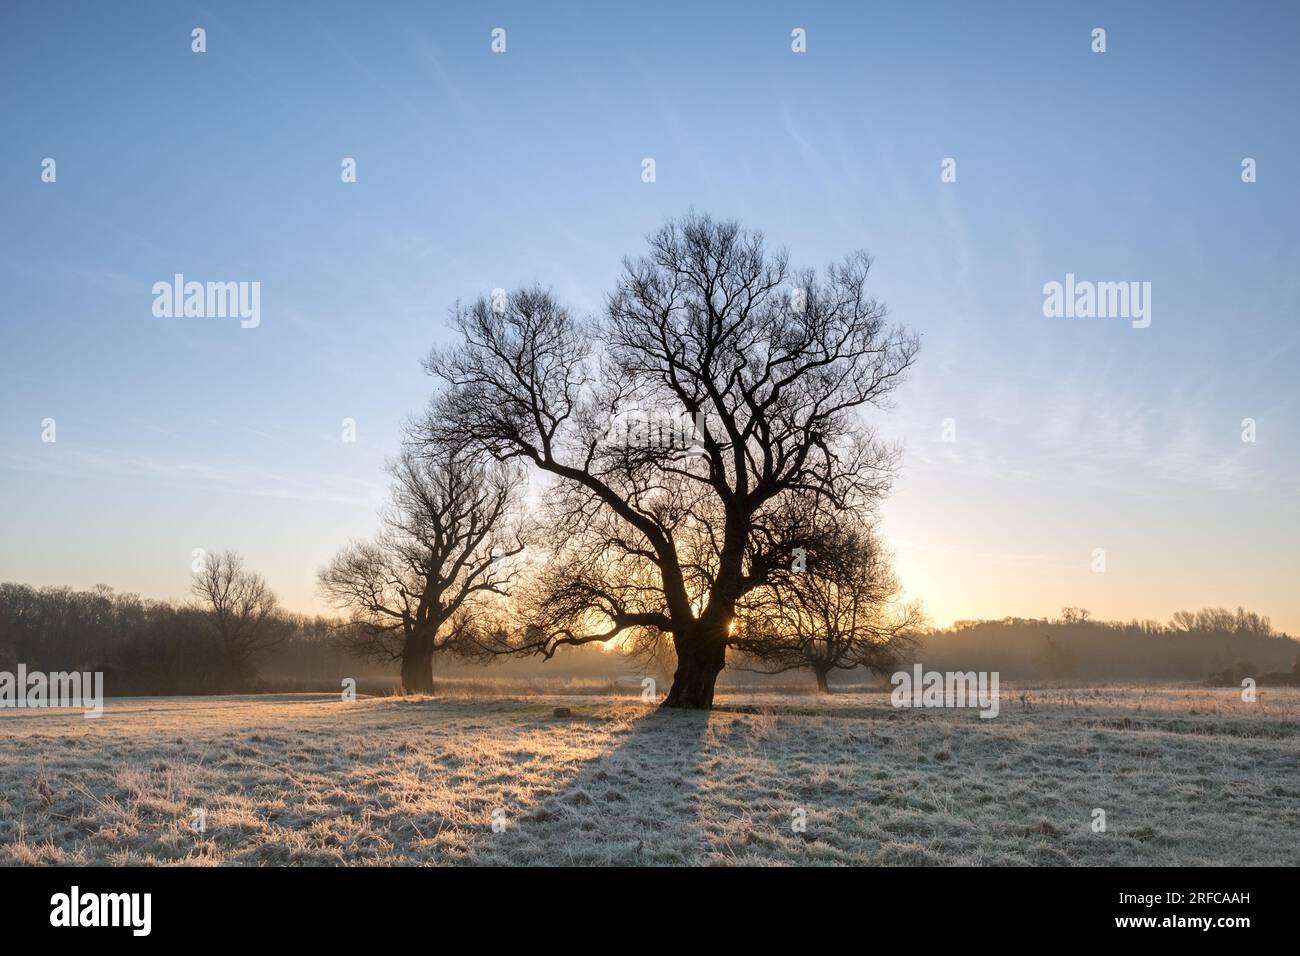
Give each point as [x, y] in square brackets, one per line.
[203, 476]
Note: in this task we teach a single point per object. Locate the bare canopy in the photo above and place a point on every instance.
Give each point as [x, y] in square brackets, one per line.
[240, 608]
[655, 535]
[838, 612]
[446, 542]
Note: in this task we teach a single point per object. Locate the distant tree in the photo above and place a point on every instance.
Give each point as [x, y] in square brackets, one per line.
[653, 538]
[1075, 615]
[240, 611]
[447, 535]
[839, 614]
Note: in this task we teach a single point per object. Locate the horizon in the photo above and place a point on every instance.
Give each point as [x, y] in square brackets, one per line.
[930, 625]
[1070, 433]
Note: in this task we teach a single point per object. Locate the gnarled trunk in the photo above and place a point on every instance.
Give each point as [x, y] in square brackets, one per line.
[417, 666]
[701, 655]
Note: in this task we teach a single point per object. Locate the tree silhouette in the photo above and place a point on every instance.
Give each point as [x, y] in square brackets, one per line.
[241, 611]
[663, 538]
[446, 543]
[838, 614]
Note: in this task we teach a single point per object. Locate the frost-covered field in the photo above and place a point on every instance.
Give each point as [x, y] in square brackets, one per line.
[1185, 776]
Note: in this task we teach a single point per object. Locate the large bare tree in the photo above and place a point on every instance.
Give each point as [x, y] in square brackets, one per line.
[839, 612]
[241, 610]
[448, 536]
[768, 365]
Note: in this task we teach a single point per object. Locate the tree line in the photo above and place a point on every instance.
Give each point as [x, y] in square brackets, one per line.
[1212, 643]
[148, 647]
[211, 644]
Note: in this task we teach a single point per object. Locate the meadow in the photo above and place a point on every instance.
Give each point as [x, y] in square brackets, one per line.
[1185, 775]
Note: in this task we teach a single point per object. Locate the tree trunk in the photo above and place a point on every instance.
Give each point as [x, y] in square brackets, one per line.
[822, 685]
[701, 655]
[417, 667]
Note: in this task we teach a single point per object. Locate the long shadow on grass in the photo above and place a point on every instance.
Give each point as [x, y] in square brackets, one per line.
[633, 805]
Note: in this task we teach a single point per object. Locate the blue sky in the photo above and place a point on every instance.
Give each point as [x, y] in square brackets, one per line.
[478, 170]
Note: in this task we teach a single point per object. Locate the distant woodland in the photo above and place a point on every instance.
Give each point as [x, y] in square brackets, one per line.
[148, 647]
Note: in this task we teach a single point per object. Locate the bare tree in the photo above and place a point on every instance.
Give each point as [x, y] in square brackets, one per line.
[445, 544]
[840, 613]
[241, 611]
[663, 538]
